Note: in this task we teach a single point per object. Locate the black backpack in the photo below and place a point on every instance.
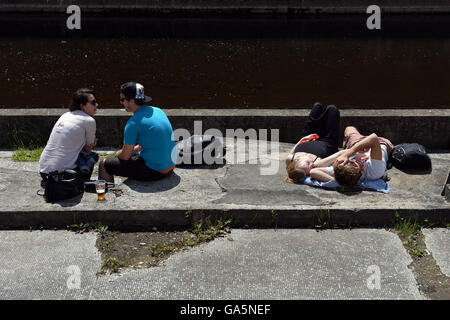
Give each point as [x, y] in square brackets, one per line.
[410, 156]
[200, 150]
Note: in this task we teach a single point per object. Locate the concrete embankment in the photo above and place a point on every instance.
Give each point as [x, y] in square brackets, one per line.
[430, 127]
[235, 6]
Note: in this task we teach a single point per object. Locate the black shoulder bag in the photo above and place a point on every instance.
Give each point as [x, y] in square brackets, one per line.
[62, 185]
[410, 156]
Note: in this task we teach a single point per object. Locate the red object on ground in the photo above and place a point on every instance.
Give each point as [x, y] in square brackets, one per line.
[312, 138]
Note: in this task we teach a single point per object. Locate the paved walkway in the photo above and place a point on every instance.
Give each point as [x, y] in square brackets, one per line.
[246, 264]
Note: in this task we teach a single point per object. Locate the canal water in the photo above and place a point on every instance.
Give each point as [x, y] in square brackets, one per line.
[275, 62]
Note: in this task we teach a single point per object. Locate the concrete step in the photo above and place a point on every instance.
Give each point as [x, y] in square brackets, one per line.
[239, 189]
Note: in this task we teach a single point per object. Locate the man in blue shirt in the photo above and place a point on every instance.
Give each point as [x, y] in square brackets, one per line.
[149, 151]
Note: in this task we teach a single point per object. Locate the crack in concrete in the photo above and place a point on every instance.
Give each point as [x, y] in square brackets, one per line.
[432, 283]
[222, 188]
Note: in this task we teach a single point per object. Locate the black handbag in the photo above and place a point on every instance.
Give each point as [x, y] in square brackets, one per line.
[410, 156]
[62, 185]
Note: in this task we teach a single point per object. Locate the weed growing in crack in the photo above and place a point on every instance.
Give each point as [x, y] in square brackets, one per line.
[158, 246]
[324, 220]
[110, 264]
[408, 232]
[275, 218]
[86, 227]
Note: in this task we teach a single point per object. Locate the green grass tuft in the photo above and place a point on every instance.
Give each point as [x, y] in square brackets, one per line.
[407, 228]
[409, 232]
[27, 155]
[33, 155]
[110, 264]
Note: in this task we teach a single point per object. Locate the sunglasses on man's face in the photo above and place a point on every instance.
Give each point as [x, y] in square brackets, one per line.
[93, 102]
[122, 99]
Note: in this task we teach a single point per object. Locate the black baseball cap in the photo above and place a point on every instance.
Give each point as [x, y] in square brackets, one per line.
[134, 90]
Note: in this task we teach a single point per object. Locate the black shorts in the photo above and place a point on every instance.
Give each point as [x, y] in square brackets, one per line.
[134, 168]
[321, 148]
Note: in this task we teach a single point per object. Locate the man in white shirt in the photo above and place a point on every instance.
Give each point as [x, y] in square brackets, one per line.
[365, 159]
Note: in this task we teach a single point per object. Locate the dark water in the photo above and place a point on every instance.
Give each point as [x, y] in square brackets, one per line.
[228, 62]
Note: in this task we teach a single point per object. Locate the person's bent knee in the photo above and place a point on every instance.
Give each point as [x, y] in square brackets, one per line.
[101, 163]
[102, 166]
[317, 104]
[373, 137]
[333, 109]
[350, 129]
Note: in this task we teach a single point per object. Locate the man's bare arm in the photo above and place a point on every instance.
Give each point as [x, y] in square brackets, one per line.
[126, 152]
[328, 161]
[370, 142]
[320, 174]
[90, 146]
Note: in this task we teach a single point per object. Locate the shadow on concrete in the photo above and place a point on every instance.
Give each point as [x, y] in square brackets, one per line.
[201, 166]
[416, 172]
[72, 202]
[351, 191]
[446, 187]
[346, 191]
[164, 184]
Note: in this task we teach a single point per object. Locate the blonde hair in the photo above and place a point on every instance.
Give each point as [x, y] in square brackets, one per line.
[294, 174]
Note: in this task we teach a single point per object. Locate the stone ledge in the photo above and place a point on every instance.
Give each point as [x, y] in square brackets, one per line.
[237, 189]
[430, 127]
